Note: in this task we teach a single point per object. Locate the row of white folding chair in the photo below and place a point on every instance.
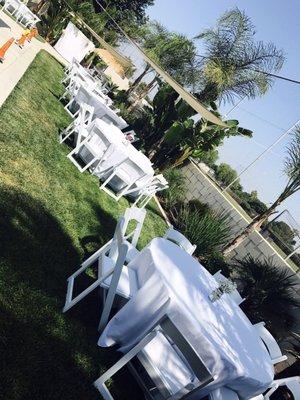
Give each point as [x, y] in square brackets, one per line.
[236, 297]
[79, 126]
[270, 343]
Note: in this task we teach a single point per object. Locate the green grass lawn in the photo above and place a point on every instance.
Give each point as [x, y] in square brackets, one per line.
[51, 218]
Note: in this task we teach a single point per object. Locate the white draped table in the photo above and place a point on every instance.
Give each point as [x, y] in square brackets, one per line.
[174, 283]
[102, 110]
[122, 149]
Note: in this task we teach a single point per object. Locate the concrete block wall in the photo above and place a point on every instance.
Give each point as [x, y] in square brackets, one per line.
[200, 186]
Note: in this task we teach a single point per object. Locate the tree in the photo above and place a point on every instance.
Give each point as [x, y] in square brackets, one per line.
[136, 9]
[292, 171]
[185, 137]
[209, 157]
[233, 60]
[172, 51]
[225, 174]
[269, 293]
[284, 231]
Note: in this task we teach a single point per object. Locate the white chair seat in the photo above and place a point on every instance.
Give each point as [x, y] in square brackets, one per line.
[167, 363]
[127, 286]
[223, 393]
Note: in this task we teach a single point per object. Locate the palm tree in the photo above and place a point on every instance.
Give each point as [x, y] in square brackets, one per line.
[292, 171]
[269, 292]
[172, 51]
[233, 63]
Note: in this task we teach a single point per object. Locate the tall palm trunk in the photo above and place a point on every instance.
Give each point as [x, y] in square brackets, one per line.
[138, 79]
[142, 95]
[255, 224]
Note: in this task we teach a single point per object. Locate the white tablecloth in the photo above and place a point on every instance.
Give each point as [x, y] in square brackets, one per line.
[73, 44]
[221, 333]
[123, 149]
[101, 109]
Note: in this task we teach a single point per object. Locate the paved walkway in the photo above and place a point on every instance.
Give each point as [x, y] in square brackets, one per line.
[17, 60]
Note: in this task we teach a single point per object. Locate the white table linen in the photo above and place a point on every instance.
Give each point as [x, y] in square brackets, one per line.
[102, 110]
[73, 44]
[123, 149]
[221, 333]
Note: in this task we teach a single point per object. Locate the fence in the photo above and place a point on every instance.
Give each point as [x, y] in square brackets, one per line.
[200, 186]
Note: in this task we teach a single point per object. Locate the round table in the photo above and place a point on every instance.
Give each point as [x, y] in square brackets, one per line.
[176, 284]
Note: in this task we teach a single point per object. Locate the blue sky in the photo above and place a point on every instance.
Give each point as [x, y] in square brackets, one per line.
[268, 116]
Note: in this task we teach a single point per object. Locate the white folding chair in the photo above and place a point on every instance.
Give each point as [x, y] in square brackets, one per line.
[111, 258]
[128, 173]
[180, 240]
[270, 343]
[26, 17]
[93, 151]
[163, 340]
[156, 184]
[128, 285]
[79, 126]
[293, 384]
[12, 6]
[238, 299]
[223, 393]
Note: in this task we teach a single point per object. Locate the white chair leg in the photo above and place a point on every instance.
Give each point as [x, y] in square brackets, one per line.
[113, 287]
[146, 201]
[81, 169]
[67, 133]
[100, 382]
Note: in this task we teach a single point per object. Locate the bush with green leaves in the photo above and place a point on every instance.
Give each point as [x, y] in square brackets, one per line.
[210, 231]
[269, 292]
[176, 191]
[216, 262]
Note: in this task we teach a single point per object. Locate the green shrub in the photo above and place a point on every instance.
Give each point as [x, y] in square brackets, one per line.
[216, 262]
[197, 205]
[175, 193]
[269, 292]
[209, 231]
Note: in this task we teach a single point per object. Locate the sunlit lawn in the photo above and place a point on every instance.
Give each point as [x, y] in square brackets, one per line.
[51, 218]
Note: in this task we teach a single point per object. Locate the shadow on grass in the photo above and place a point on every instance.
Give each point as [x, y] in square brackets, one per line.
[44, 353]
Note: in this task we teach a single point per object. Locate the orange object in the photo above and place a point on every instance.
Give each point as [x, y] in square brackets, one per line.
[33, 33]
[22, 40]
[5, 47]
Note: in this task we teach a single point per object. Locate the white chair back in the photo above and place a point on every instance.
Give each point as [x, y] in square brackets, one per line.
[112, 253]
[270, 343]
[84, 120]
[293, 384]
[174, 342]
[180, 239]
[134, 214]
[132, 169]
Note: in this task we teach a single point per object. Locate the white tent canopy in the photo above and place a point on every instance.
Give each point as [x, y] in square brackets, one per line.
[73, 44]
